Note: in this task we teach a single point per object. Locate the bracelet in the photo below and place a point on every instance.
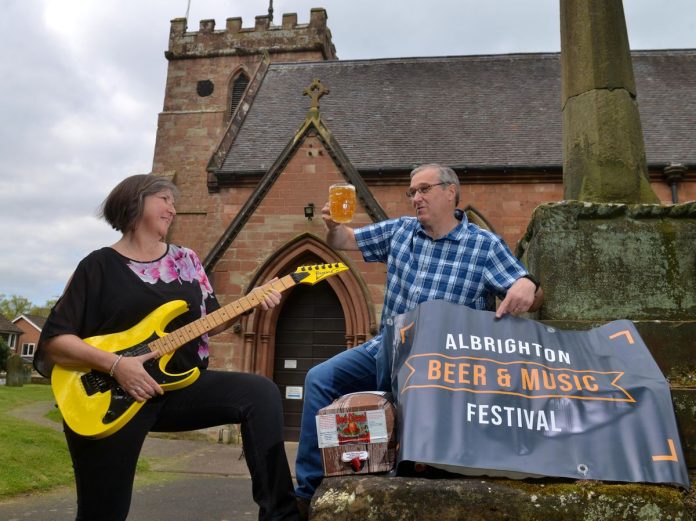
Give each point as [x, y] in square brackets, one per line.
[113, 366]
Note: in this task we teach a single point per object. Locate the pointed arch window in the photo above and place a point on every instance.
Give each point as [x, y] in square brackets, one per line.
[478, 219]
[237, 89]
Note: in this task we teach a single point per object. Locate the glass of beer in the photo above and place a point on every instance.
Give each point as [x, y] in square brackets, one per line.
[342, 202]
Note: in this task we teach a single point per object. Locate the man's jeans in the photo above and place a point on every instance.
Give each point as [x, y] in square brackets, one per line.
[350, 371]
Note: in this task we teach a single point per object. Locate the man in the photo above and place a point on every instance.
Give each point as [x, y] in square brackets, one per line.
[433, 256]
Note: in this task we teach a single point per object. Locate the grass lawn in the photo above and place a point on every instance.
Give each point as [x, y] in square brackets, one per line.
[34, 458]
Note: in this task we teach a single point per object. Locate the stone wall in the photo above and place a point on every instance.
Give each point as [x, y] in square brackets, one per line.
[603, 262]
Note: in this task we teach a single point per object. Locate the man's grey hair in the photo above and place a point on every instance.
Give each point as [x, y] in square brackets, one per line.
[445, 175]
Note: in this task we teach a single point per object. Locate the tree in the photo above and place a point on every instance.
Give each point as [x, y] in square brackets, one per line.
[44, 310]
[14, 306]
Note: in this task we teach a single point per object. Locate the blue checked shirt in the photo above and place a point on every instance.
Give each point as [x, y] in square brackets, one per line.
[467, 266]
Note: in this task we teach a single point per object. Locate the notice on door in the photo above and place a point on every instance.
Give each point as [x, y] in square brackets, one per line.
[293, 392]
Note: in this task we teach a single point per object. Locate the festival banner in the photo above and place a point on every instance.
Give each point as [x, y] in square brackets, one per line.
[513, 397]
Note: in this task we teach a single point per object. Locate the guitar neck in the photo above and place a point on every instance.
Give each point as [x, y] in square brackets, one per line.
[177, 338]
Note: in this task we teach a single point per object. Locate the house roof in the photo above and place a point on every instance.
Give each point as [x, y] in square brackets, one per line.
[35, 320]
[472, 112]
[6, 326]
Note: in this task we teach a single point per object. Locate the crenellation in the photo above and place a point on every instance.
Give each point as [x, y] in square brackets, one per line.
[236, 40]
[177, 28]
[207, 26]
[263, 22]
[289, 20]
[234, 25]
[317, 17]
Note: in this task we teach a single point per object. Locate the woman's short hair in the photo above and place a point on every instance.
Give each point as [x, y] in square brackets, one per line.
[445, 175]
[123, 207]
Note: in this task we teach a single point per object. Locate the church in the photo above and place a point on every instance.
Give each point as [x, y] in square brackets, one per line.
[259, 121]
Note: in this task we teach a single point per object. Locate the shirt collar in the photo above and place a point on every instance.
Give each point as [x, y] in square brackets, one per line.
[456, 234]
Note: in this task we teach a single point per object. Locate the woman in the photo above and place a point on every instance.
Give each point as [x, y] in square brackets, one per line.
[113, 289]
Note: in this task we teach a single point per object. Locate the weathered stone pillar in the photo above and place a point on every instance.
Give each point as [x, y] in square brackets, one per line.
[603, 148]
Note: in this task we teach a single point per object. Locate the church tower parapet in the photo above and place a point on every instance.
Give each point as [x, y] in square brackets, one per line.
[235, 40]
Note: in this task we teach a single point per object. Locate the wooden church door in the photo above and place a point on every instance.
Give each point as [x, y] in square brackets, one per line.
[311, 328]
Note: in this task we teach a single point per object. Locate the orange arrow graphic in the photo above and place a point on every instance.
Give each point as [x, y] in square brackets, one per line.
[625, 332]
[403, 332]
[672, 456]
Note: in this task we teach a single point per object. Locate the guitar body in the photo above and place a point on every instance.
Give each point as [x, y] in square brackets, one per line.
[91, 402]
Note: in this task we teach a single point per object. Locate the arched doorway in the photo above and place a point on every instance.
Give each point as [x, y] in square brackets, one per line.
[343, 297]
[310, 329]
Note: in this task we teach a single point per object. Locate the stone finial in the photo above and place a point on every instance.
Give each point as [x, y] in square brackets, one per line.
[315, 91]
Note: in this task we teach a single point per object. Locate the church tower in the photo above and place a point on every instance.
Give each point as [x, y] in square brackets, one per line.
[211, 74]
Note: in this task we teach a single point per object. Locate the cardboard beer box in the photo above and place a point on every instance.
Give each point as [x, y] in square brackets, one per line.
[357, 434]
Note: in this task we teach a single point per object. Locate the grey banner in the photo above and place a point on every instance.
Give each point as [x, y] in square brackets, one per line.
[514, 397]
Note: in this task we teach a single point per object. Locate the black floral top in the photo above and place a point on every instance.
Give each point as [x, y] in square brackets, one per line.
[109, 293]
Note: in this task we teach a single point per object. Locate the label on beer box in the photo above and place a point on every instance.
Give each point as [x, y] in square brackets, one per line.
[352, 427]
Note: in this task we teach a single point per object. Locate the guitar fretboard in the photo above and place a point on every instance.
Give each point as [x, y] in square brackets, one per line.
[177, 338]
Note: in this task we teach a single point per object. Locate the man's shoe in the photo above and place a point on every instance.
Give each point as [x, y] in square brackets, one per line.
[303, 508]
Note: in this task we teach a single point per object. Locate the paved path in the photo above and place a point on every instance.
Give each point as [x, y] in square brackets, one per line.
[202, 481]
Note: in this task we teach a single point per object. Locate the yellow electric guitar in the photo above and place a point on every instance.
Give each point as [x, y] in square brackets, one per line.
[93, 404]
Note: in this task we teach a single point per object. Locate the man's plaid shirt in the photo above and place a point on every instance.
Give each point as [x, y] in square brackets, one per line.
[467, 266]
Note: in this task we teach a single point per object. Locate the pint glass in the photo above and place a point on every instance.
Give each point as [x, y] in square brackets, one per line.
[342, 202]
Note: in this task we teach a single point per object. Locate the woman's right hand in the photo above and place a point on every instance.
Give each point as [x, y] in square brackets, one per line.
[134, 379]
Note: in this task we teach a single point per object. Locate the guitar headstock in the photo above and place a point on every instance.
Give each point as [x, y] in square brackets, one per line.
[317, 272]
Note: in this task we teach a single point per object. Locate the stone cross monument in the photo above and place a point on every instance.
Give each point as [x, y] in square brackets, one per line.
[610, 250]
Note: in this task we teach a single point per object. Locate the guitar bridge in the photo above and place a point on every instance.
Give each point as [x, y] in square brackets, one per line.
[97, 382]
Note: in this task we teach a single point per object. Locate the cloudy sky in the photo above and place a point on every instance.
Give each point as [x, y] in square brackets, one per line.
[82, 83]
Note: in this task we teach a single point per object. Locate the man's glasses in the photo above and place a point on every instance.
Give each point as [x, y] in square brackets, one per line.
[424, 189]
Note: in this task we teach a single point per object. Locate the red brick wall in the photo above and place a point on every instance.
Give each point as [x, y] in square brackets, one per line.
[278, 220]
[30, 335]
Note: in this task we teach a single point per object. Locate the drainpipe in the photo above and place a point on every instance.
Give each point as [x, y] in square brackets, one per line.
[673, 174]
